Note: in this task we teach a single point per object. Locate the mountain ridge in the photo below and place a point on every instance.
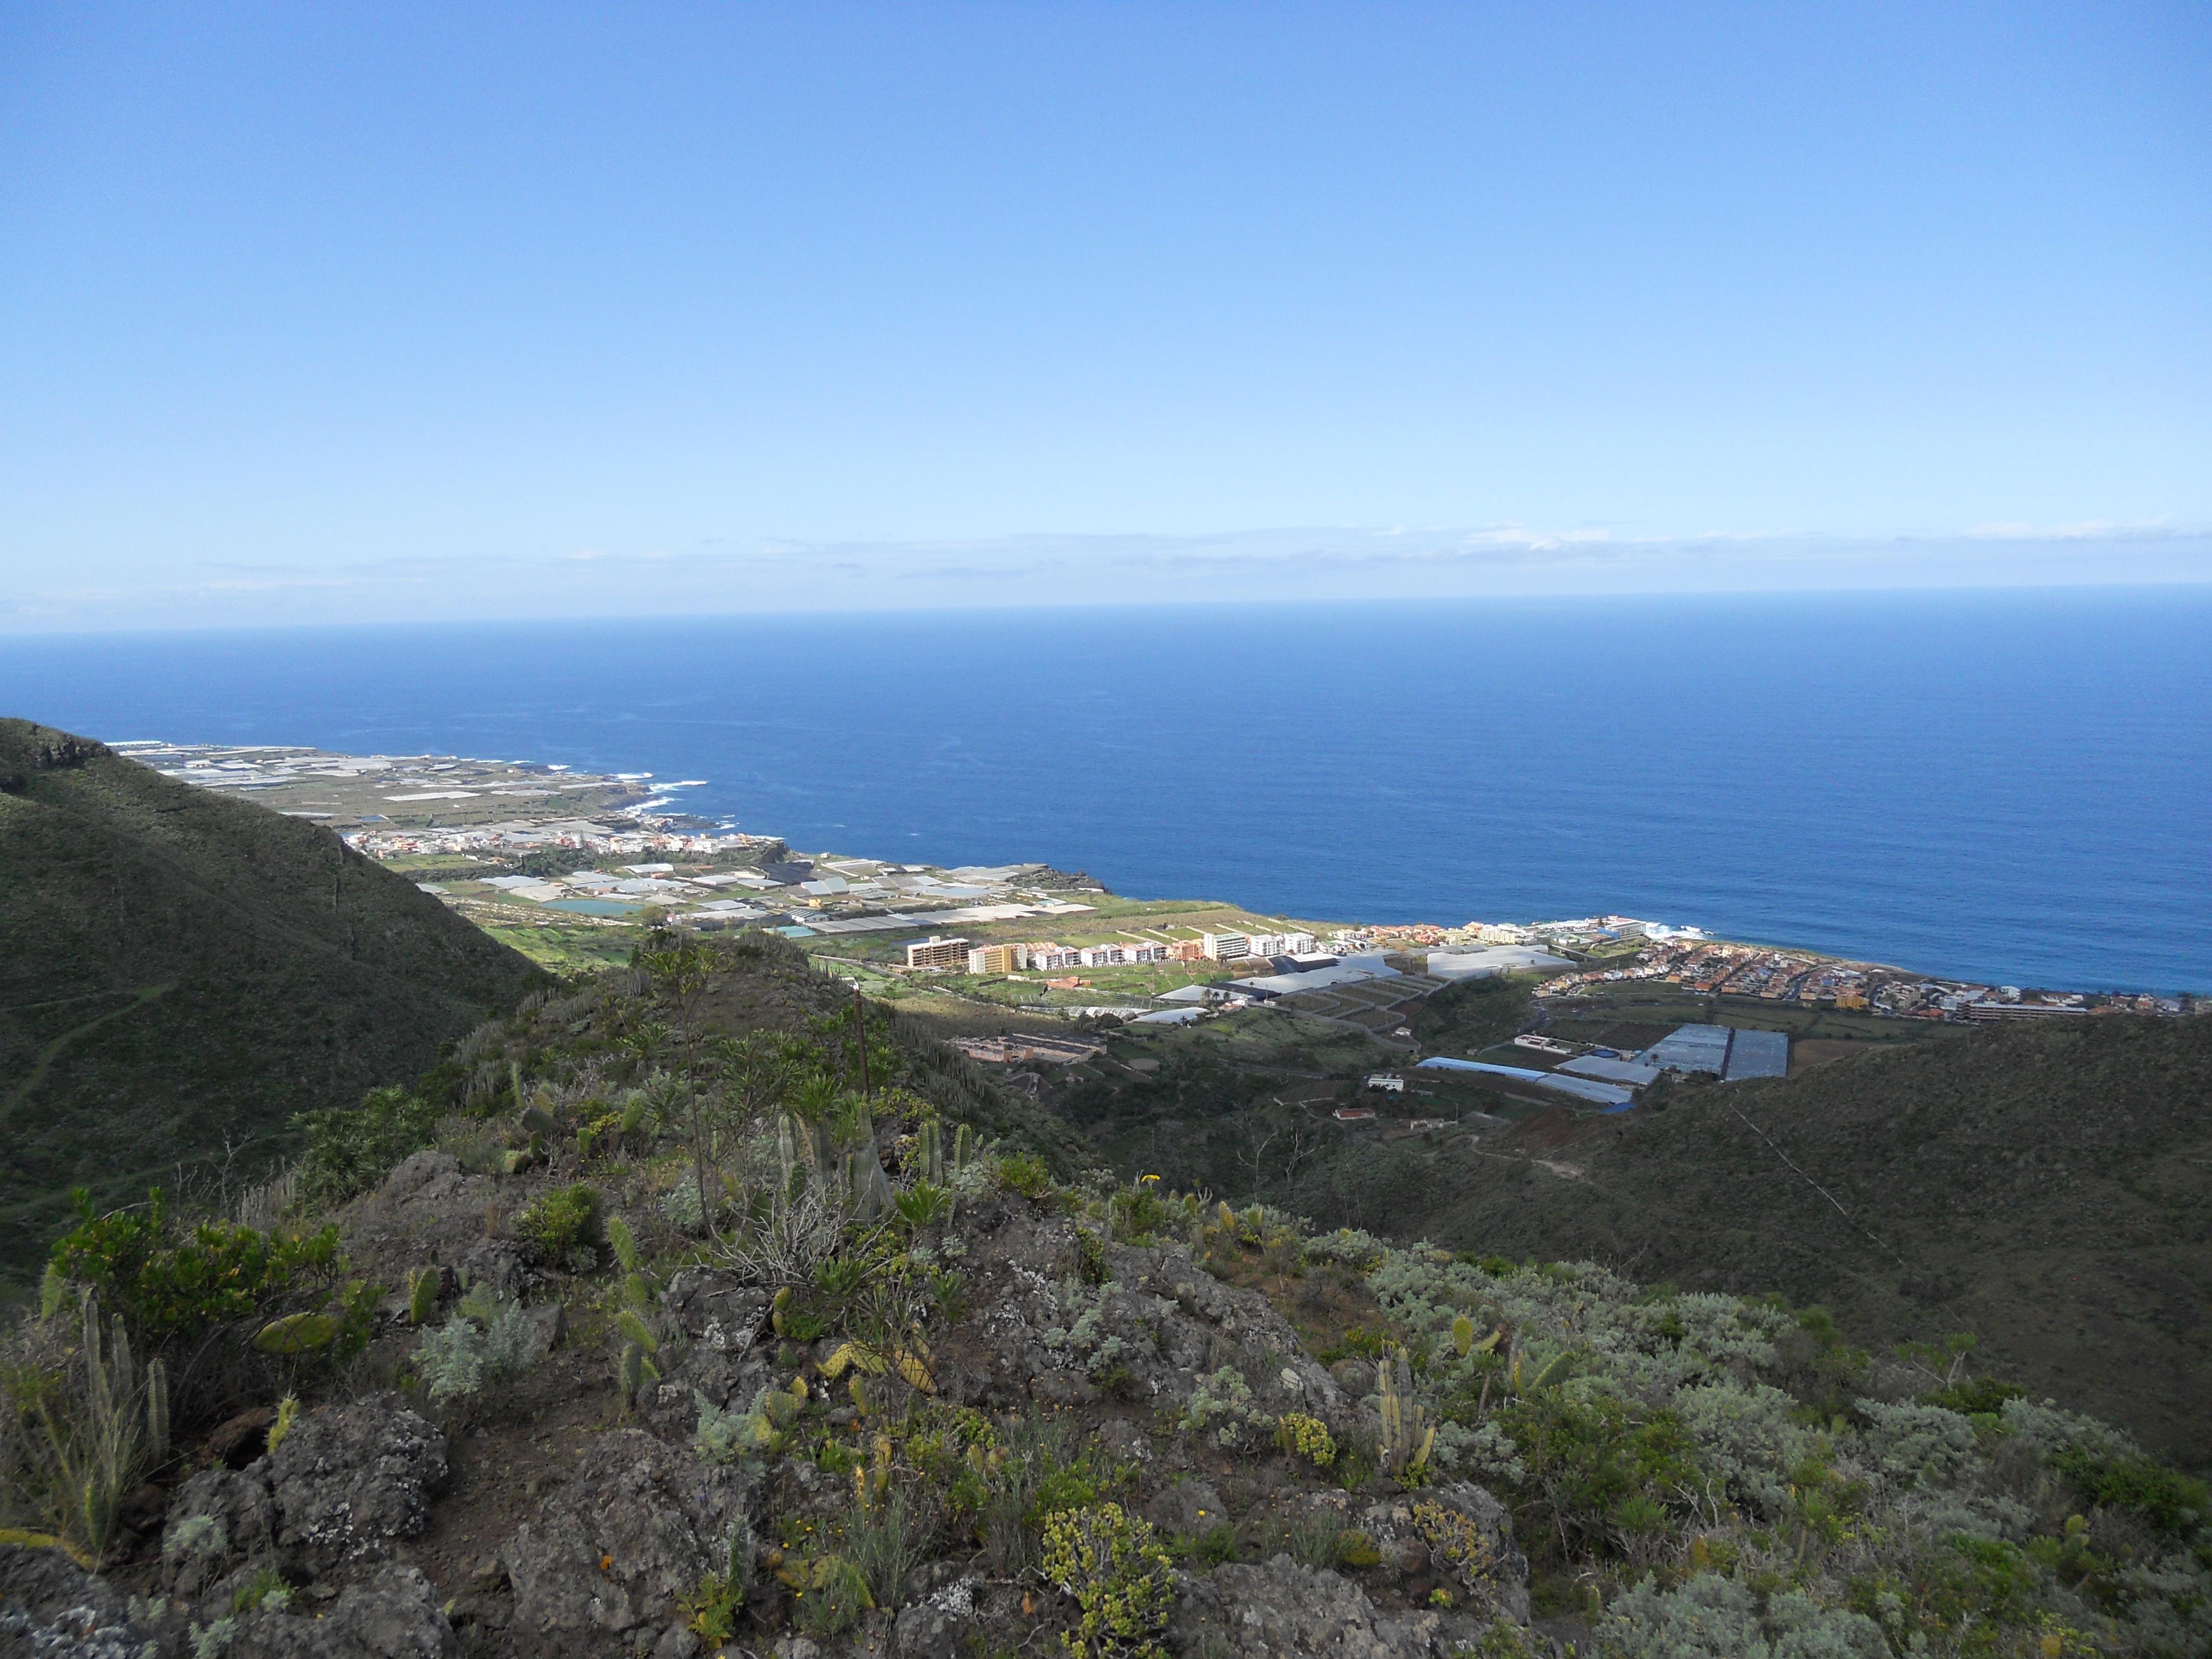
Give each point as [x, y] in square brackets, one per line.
[180, 971]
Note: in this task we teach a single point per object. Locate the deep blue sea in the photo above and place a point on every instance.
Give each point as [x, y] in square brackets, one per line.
[2010, 787]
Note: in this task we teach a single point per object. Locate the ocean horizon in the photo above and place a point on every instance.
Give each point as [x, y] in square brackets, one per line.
[2010, 787]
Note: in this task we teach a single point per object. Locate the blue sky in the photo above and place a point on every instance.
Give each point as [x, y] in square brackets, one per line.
[339, 312]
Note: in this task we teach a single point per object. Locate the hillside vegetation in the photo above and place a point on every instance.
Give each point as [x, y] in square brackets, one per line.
[2047, 1189]
[696, 1307]
[181, 971]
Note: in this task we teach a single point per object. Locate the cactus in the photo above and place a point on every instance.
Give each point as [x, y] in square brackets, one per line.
[157, 1411]
[633, 1114]
[288, 1413]
[787, 1153]
[297, 1333]
[637, 1291]
[857, 1356]
[629, 1375]
[635, 1331]
[1526, 1382]
[912, 1364]
[871, 1482]
[964, 1148]
[777, 1308]
[1407, 1440]
[540, 1122]
[929, 1151]
[624, 1242]
[422, 1290]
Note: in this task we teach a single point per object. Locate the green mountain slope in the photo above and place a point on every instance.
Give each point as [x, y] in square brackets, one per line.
[177, 967]
[2048, 1189]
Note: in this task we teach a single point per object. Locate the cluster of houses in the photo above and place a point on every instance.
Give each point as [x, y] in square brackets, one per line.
[1043, 955]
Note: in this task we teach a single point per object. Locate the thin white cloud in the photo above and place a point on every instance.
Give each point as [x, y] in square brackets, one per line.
[781, 574]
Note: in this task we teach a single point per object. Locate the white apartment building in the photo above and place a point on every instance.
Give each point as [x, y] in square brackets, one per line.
[1224, 947]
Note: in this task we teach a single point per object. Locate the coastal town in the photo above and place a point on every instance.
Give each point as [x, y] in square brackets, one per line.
[520, 845]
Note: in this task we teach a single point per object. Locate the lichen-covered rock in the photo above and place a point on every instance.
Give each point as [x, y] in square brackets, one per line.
[51, 1606]
[349, 1480]
[217, 1518]
[637, 1525]
[1280, 1610]
[339, 1490]
[716, 1309]
[394, 1616]
[1157, 1326]
[1188, 1507]
[932, 1626]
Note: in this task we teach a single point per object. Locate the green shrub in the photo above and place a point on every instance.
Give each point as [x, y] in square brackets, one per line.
[2172, 1503]
[266, 1588]
[711, 1609]
[1585, 1457]
[1024, 1173]
[1222, 1405]
[1710, 1617]
[169, 1285]
[561, 1222]
[1305, 1436]
[1138, 1212]
[1916, 1445]
[1975, 1396]
[1108, 1561]
[833, 1602]
[349, 1150]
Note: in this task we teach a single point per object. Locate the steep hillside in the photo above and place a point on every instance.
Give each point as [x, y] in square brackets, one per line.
[760, 1324]
[177, 967]
[2044, 1189]
[2049, 1190]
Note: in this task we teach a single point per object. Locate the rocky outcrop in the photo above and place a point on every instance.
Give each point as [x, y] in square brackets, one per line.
[51, 1606]
[339, 1490]
[716, 1308]
[1280, 1610]
[394, 1616]
[429, 1212]
[349, 1480]
[1151, 1331]
[1460, 1535]
[637, 1525]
